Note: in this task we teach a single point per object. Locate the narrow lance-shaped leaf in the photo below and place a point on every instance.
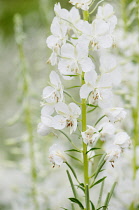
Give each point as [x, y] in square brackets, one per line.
[109, 196]
[92, 205]
[97, 182]
[74, 200]
[72, 185]
[72, 170]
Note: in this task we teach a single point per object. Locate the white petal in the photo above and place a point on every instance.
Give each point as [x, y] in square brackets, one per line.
[90, 77]
[85, 90]
[87, 64]
[47, 110]
[75, 110]
[62, 108]
[59, 122]
[67, 51]
[43, 130]
[54, 79]
[105, 41]
[48, 91]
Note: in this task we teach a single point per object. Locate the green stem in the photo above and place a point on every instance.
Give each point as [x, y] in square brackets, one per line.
[85, 156]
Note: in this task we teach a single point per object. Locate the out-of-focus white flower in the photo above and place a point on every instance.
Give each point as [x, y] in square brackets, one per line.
[108, 63]
[57, 39]
[106, 13]
[107, 130]
[113, 153]
[91, 135]
[122, 139]
[83, 4]
[72, 16]
[56, 156]
[67, 116]
[75, 59]
[97, 89]
[54, 93]
[115, 114]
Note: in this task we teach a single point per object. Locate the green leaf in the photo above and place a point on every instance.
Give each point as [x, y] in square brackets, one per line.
[92, 205]
[109, 195]
[63, 208]
[72, 170]
[72, 150]
[82, 188]
[73, 87]
[74, 200]
[71, 183]
[97, 182]
[100, 194]
[94, 148]
[74, 158]
[101, 207]
[91, 105]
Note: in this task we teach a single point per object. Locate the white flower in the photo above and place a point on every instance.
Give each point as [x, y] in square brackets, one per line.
[97, 33]
[106, 13]
[75, 59]
[43, 130]
[115, 114]
[54, 93]
[122, 139]
[91, 135]
[108, 63]
[107, 130]
[97, 89]
[113, 153]
[57, 39]
[83, 4]
[67, 116]
[56, 156]
[45, 126]
[72, 17]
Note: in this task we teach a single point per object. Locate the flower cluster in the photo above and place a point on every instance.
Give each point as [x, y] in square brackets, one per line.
[73, 43]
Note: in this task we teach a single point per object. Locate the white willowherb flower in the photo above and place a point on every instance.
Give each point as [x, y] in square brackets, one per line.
[45, 127]
[115, 114]
[43, 130]
[59, 36]
[74, 59]
[122, 139]
[107, 131]
[97, 89]
[90, 136]
[67, 116]
[113, 153]
[83, 4]
[72, 17]
[97, 33]
[106, 13]
[56, 156]
[54, 93]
